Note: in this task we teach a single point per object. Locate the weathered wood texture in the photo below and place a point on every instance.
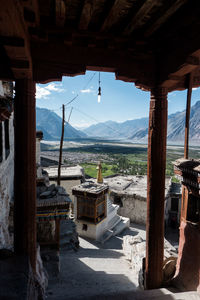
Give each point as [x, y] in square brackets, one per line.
[156, 187]
[100, 28]
[25, 170]
[187, 275]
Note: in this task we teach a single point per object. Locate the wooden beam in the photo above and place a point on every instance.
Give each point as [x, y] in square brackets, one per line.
[156, 165]
[119, 10]
[163, 18]
[187, 116]
[58, 58]
[60, 9]
[193, 60]
[25, 170]
[86, 14]
[141, 15]
[16, 28]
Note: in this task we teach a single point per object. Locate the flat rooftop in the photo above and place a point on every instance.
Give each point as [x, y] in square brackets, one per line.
[66, 172]
[132, 184]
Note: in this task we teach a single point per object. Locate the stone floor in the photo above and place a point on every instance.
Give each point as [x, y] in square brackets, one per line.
[94, 269]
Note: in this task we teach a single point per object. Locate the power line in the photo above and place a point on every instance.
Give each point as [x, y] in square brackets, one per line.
[73, 99]
[95, 119]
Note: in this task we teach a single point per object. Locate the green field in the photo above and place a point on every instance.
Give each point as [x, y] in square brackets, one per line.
[91, 169]
[123, 158]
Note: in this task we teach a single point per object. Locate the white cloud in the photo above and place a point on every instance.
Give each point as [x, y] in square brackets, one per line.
[86, 91]
[44, 92]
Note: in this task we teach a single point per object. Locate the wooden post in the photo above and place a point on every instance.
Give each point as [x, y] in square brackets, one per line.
[187, 117]
[156, 187]
[25, 170]
[61, 143]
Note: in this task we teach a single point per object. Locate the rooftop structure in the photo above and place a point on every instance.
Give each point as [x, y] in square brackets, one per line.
[132, 185]
[76, 172]
[96, 217]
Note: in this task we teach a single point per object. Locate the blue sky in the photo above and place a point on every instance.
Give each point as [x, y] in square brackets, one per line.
[120, 101]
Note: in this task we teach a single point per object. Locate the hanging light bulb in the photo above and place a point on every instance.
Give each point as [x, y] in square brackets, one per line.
[99, 95]
[99, 92]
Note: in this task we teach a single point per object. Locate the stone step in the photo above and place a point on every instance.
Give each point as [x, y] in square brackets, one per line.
[113, 222]
[124, 223]
[118, 226]
[106, 236]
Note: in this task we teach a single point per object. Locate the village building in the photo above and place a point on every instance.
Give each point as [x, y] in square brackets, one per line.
[130, 193]
[6, 164]
[69, 176]
[95, 216]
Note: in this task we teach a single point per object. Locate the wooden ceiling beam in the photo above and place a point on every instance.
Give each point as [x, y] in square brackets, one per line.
[119, 10]
[164, 17]
[17, 49]
[86, 14]
[141, 15]
[61, 57]
[60, 10]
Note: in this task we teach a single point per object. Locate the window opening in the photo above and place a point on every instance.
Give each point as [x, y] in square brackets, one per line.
[118, 201]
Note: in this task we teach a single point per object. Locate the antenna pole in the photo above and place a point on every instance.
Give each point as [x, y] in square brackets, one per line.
[61, 143]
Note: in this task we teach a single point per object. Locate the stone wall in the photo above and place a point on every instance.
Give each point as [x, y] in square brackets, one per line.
[6, 179]
[133, 206]
[37, 151]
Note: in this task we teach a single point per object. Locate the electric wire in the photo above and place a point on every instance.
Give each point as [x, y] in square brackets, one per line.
[73, 99]
[87, 115]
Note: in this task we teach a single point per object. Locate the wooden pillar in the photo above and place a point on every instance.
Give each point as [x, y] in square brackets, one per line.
[187, 117]
[25, 170]
[156, 187]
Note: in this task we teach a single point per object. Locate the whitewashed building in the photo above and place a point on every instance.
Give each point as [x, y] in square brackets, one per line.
[6, 161]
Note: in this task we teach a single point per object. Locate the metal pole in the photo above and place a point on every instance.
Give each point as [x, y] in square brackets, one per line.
[61, 143]
[187, 117]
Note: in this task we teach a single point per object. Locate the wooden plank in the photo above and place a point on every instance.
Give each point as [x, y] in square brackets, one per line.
[86, 14]
[141, 15]
[163, 18]
[60, 10]
[16, 28]
[52, 58]
[119, 10]
[187, 117]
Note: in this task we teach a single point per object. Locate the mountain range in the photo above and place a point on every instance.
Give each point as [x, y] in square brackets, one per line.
[134, 130]
[51, 124]
[137, 130]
